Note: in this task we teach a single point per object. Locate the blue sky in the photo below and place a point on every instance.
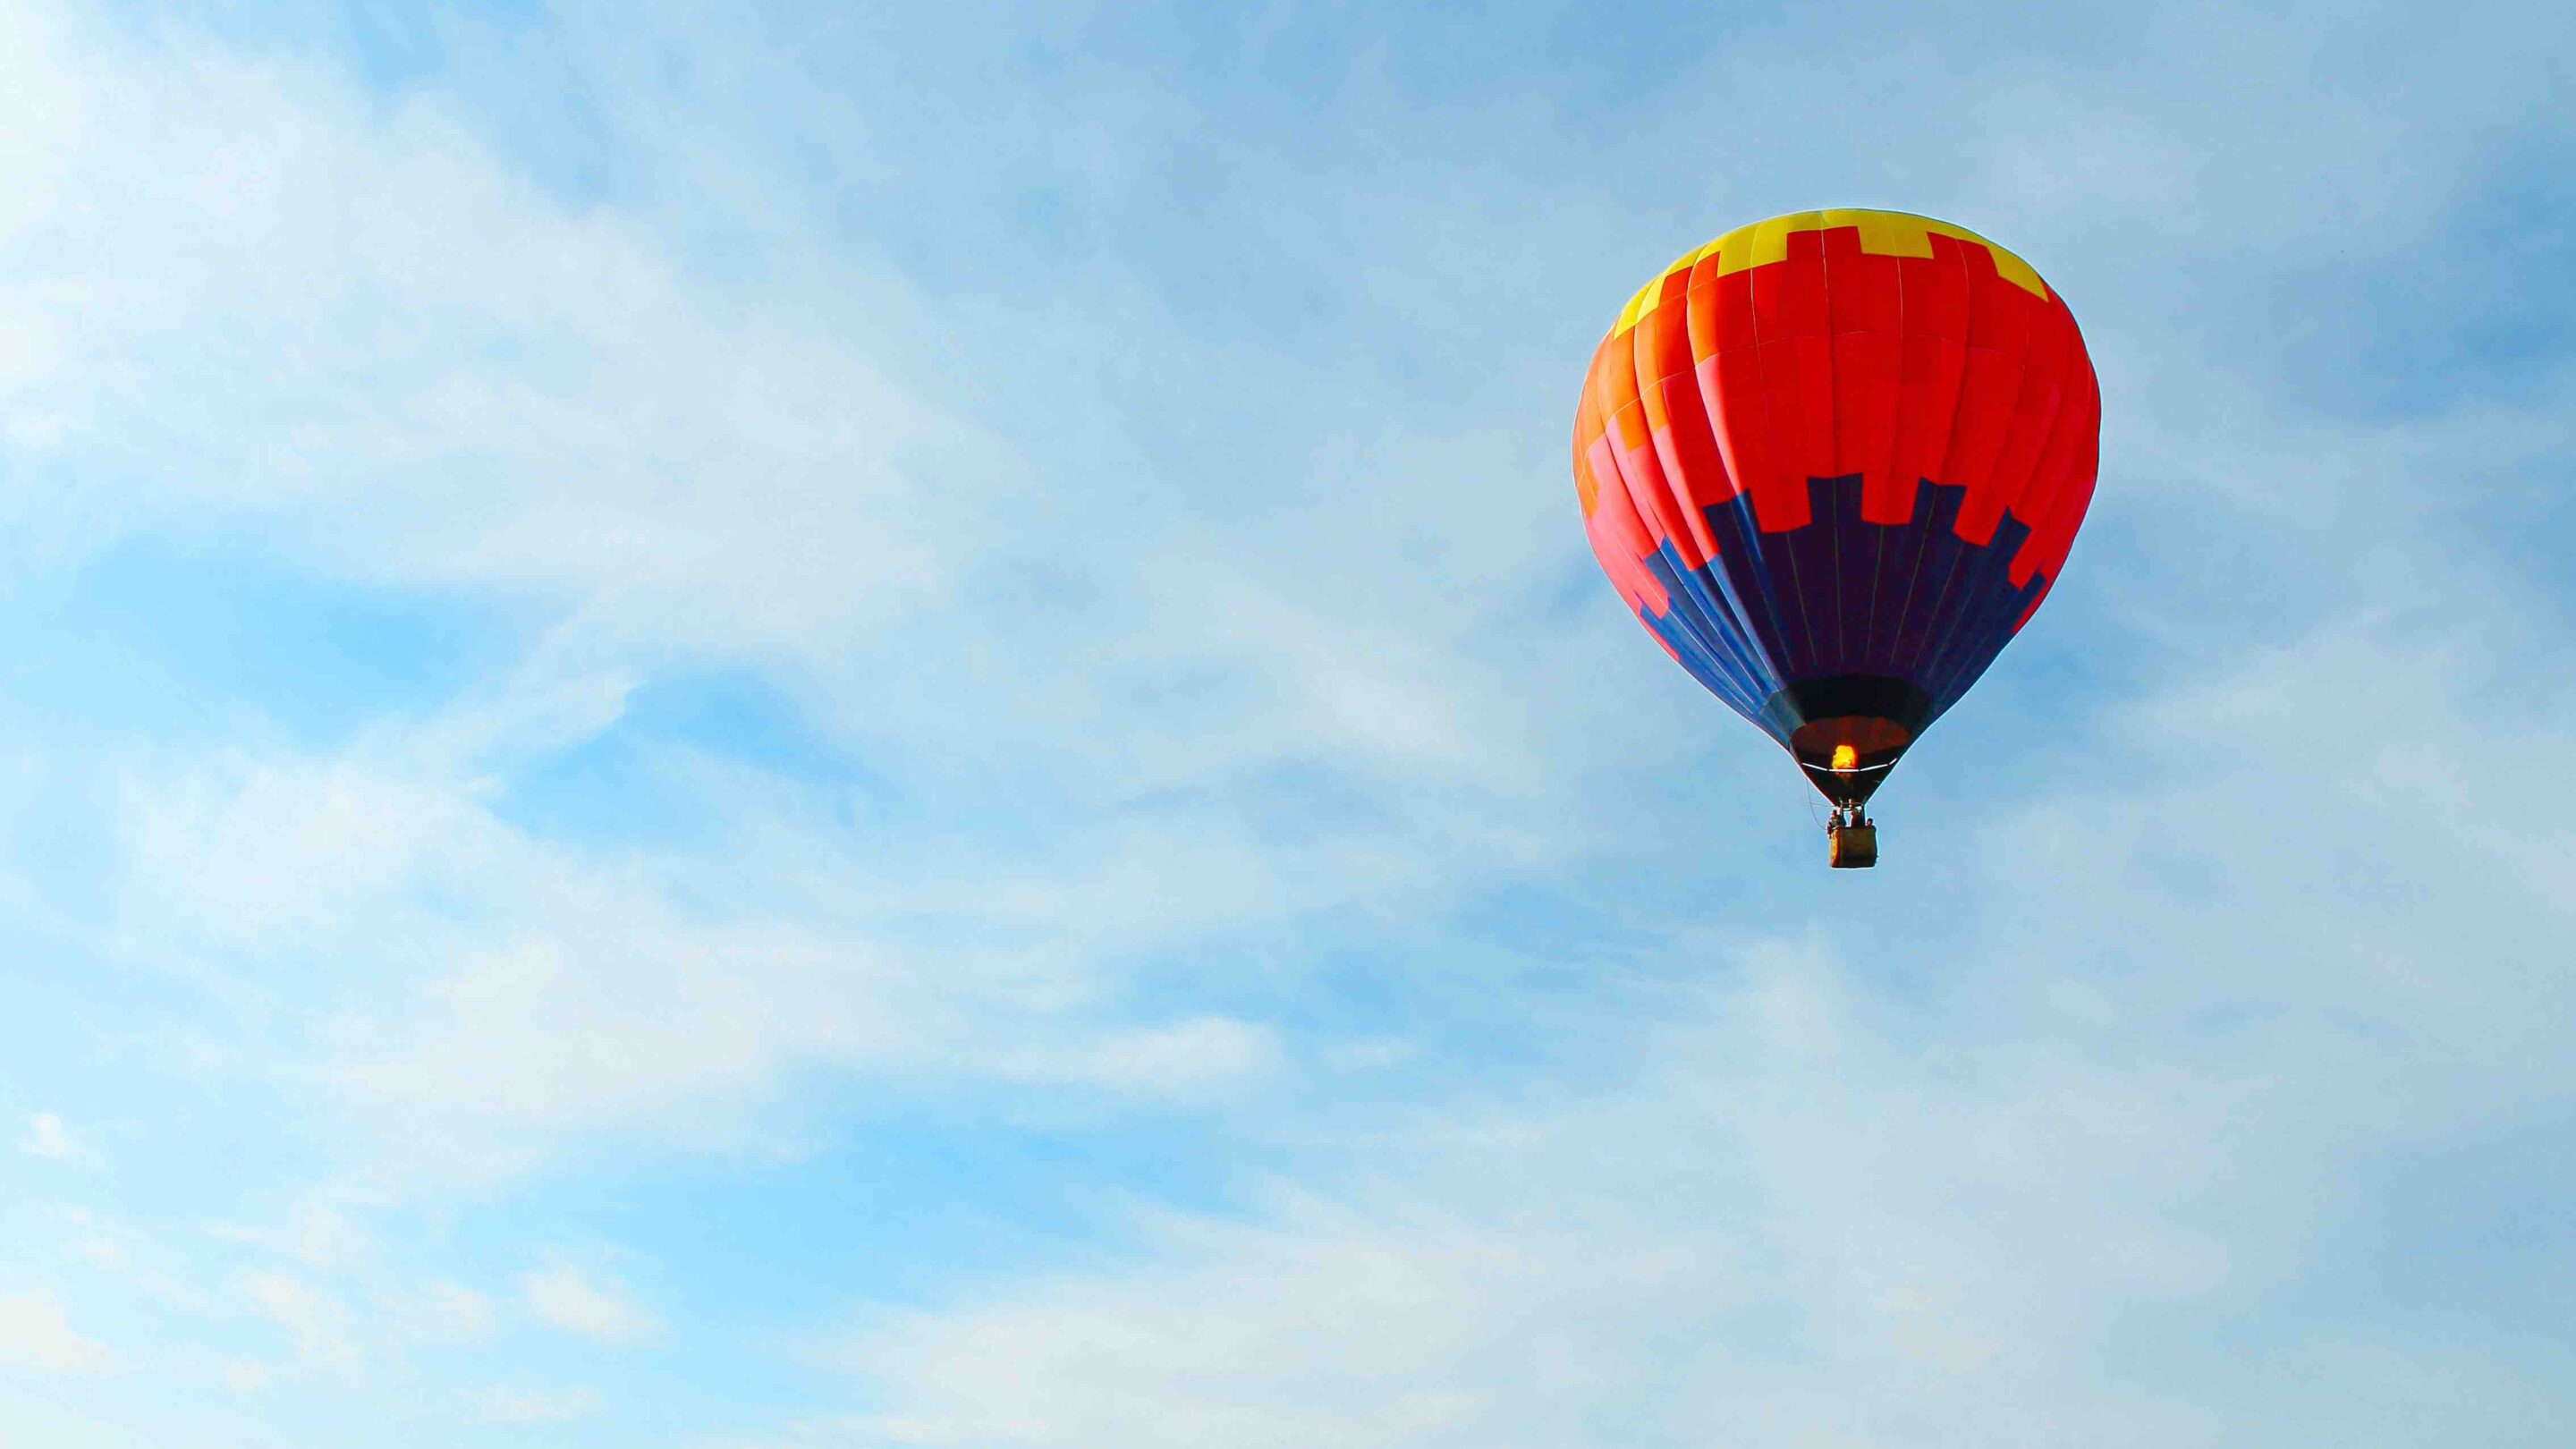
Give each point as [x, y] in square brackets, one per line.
[730, 727]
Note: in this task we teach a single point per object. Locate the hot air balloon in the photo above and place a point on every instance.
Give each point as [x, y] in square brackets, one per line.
[1834, 461]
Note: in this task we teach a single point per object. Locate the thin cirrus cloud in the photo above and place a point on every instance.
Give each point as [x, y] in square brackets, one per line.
[316, 1323]
[1808, 1207]
[931, 677]
[502, 1404]
[570, 1300]
[37, 1336]
[48, 1136]
[264, 859]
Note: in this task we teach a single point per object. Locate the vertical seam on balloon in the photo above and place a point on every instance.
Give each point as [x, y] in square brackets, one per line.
[2067, 516]
[2082, 403]
[1948, 625]
[1834, 554]
[1968, 676]
[1680, 609]
[1860, 468]
[1798, 595]
[1967, 347]
[1683, 600]
[1877, 567]
[2009, 489]
[2064, 359]
[1757, 577]
[1760, 560]
[1915, 492]
[1968, 330]
[1733, 620]
[2031, 502]
[1833, 419]
[1710, 623]
[2080, 498]
[1758, 568]
[1709, 584]
[1988, 615]
[1787, 551]
[1938, 617]
[1707, 609]
[1694, 627]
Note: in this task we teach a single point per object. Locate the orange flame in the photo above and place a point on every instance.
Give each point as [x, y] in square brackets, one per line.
[1846, 758]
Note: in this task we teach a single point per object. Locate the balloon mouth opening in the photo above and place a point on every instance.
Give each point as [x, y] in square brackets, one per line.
[1846, 756]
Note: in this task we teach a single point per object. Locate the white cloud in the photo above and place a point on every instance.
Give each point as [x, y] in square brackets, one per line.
[568, 1299]
[502, 1404]
[447, 1312]
[375, 261]
[247, 296]
[602, 1026]
[1186, 1060]
[432, 373]
[35, 1336]
[541, 990]
[2125, 1064]
[327, 1239]
[316, 1320]
[1814, 1214]
[48, 1136]
[123, 1252]
[246, 1377]
[100, 1243]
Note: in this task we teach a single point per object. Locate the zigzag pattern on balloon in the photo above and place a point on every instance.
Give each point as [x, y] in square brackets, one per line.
[1838, 446]
[1909, 601]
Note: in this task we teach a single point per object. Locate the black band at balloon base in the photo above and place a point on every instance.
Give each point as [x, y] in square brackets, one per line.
[1847, 731]
[1879, 696]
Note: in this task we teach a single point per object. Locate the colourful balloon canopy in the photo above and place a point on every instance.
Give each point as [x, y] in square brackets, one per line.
[1834, 461]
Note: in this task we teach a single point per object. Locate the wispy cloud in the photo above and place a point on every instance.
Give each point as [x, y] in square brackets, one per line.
[313, 1318]
[504, 1405]
[964, 635]
[445, 1312]
[379, 262]
[245, 1377]
[568, 1299]
[48, 1136]
[36, 1336]
[1826, 1198]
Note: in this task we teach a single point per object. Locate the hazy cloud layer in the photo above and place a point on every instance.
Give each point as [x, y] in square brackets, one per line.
[752, 728]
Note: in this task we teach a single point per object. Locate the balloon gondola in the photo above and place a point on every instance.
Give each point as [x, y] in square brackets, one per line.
[1833, 461]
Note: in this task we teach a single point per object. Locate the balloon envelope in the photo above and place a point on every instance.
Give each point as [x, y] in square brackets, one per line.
[1833, 461]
